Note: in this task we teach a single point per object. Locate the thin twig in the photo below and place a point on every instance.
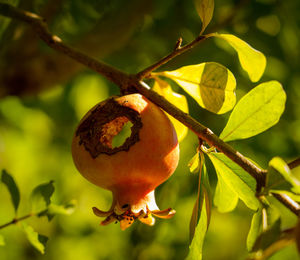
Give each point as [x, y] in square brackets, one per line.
[294, 164]
[177, 51]
[16, 220]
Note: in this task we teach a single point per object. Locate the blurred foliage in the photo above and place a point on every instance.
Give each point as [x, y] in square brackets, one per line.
[36, 131]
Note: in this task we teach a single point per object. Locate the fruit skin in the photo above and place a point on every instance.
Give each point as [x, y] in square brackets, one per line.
[132, 174]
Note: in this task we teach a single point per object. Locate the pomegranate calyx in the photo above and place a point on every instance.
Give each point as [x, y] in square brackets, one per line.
[100, 213]
[127, 218]
[165, 214]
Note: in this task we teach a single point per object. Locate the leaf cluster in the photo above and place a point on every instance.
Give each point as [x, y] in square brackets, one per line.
[41, 205]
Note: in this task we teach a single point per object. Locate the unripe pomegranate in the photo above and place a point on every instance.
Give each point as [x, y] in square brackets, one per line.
[134, 169]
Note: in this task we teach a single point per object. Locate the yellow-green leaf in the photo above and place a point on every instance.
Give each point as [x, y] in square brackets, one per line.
[236, 178]
[37, 240]
[164, 89]
[203, 199]
[195, 252]
[282, 170]
[252, 60]
[65, 209]
[255, 229]
[225, 199]
[257, 111]
[194, 163]
[210, 84]
[205, 9]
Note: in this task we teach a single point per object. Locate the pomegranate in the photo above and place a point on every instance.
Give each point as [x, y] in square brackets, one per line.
[132, 170]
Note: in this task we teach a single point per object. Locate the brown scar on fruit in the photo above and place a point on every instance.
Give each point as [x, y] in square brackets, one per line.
[106, 121]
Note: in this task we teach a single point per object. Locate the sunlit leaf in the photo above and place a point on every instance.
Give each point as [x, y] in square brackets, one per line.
[66, 209]
[252, 60]
[2, 241]
[12, 187]
[194, 163]
[37, 240]
[282, 169]
[210, 84]
[236, 178]
[205, 9]
[255, 229]
[164, 89]
[195, 252]
[257, 111]
[41, 196]
[203, 195]
[225, 199]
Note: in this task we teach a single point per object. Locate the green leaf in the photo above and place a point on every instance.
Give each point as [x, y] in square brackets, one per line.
[252, 60]
[163, 88]
[194, 163]
[268, 236]
[205, 9]
[265, 221]
[203, 194]
[255, 229]
[210, 84]
[37, 240]
[195, 252]
[257, 111]
[12, 187]
[66, 209]
[239, 181]
[282, 173]
[41, 196]
[225, 199]
[2, 241]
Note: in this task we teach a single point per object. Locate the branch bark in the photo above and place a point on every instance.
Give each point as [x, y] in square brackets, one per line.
[16, 220]
[288, 202]
[177, 51]
[294, 164]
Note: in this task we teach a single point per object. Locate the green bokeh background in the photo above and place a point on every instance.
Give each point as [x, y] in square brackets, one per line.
[36, 130]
